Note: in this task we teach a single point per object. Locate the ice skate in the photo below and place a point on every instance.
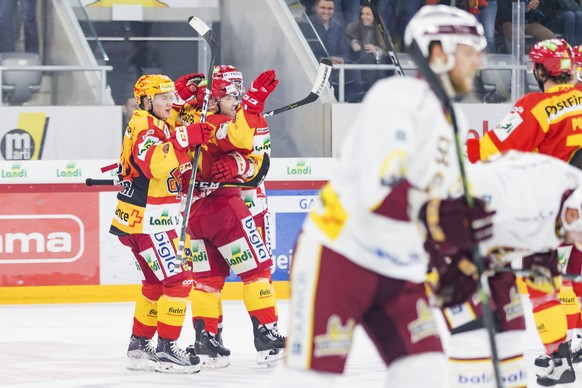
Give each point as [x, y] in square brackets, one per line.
[270, 344]
[212, 353]
[576, 348]
[172, 359]
[141, 353]
[559, 367]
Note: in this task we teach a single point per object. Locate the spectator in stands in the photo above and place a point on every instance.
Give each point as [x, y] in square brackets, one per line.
[331, 38]
[127, 109]
[533, 19]
[366, 46]
[486, 12]
[9, 34]
[564, 17]
[346, 11]
[396, 14]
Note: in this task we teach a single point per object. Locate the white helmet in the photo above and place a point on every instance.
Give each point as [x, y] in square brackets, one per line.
[574, 201]
[448, 25]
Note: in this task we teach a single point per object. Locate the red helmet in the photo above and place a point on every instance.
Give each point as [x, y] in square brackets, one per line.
[555, 55]
[230, 74]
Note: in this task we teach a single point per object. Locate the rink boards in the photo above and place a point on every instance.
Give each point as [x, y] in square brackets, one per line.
[54, 240]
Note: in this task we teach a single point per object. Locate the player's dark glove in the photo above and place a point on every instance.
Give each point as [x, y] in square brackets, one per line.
[454, 226]
[456, 279]
[544, 273]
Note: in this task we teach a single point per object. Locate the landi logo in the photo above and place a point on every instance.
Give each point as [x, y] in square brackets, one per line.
[14, 172]
[301, 168]
[70, 171]
[38, 238]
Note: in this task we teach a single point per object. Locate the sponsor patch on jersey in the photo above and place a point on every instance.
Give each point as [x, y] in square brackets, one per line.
[514, 308]
[261, 130]
[238, 255]
[146, 143]
[459, 315]
[424, 326]
[222, 131]
[507, 125]
[166, 254]
[149, 255]
[199, 256]
[337, 338]
[257, 244]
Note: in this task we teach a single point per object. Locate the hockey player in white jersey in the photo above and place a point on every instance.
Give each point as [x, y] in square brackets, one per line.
[359, 258]
[530, 193]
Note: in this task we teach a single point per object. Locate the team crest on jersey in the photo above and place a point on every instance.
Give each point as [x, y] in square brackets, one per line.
[424, 326]
[337, 339]
[513, 309]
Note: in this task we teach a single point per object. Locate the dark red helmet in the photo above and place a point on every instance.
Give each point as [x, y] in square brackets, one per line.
[555, 55]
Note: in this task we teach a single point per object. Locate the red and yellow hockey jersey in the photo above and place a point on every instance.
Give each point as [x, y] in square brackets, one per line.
[549, 123]
[150, 174]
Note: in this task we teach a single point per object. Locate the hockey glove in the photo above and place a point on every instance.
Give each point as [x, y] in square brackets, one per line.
[187, 85]
[544, 273]
[254, 99]
[456, 226]
[457, 282]
[232, 166]
[191, 135]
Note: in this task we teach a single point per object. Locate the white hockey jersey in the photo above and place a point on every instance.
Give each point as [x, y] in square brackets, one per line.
[399, 135]
[526, 189]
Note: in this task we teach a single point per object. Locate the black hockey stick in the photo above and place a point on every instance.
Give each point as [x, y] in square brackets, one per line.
[390, 46]
[483, 290]
[212, 40]
[323, 73]
[254, 182]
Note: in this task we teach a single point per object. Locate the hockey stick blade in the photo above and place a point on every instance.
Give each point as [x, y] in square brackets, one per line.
[323, 73]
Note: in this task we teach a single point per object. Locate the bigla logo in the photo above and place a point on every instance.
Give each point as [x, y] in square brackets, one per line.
[25, 142]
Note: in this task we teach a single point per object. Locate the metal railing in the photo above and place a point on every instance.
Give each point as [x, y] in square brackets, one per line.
[342, 68]
[103, 69]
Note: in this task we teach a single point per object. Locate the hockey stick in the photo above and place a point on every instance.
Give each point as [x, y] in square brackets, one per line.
[483, 290]
[212, 40]
[390, 46]
[254, 182]
[323, 74]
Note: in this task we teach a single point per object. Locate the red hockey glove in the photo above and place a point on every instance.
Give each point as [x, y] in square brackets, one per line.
[187, 85]
[254, 99]
[544, 274]
[232, 166]
[452, 223]
[457, 280]
[191, 135]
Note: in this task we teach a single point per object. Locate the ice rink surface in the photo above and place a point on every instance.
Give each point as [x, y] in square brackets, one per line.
[84, 345]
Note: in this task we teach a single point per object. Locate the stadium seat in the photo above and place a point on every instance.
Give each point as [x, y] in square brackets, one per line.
[497, 82]
[18, 86]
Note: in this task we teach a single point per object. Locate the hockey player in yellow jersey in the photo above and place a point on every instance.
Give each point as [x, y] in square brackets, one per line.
[152, 161]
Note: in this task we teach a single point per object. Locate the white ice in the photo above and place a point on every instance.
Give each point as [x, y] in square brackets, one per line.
[84, 345]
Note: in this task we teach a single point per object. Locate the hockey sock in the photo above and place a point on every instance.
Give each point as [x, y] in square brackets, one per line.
[551, 323]
[145, 317]
[571, 307]
[259, 300]
[220, 313]
[171, 313]
[205, 307]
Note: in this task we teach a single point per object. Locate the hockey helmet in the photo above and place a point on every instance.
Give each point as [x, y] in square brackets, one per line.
[152, 84]
[448, 25]
[572, 202]
[555, 55]
[231, 74]
[221, 88]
